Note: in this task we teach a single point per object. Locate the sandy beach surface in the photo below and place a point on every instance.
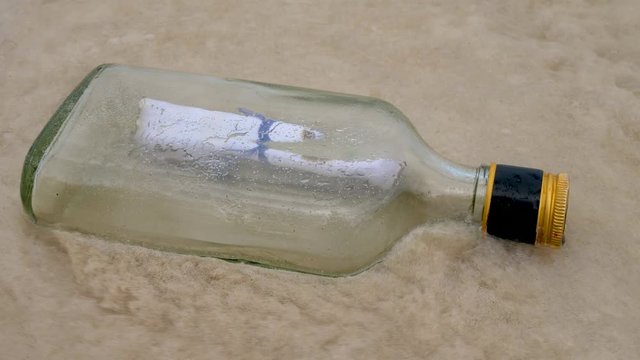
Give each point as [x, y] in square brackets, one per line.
[547, 84]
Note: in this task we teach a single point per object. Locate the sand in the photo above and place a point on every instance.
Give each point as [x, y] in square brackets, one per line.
[554, 85]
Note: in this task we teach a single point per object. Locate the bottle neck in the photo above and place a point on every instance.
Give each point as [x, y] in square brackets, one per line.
[479, 193]
[451, 191]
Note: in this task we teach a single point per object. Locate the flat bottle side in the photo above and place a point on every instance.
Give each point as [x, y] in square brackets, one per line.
[46, 138]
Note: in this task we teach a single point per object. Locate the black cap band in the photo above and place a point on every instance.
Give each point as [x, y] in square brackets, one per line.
[515, 200]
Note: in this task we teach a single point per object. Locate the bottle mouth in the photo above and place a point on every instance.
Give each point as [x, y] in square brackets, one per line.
[526, 205]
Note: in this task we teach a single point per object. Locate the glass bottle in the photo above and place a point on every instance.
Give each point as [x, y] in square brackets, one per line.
[280, 176]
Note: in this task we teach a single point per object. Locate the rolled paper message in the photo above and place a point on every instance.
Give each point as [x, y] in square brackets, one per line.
[186, 133]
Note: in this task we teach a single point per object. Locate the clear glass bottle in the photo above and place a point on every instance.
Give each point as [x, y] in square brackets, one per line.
[293, 178]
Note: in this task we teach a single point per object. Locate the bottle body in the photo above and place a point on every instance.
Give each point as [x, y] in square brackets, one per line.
[287, 177]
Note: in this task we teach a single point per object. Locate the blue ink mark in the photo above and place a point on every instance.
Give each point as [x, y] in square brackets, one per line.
[247, 112]
[263, 133]
[258, 150]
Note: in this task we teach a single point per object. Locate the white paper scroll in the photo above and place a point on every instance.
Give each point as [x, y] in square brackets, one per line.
[190, 133]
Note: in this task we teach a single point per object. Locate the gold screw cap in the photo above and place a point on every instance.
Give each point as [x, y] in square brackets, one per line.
[552, 214]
